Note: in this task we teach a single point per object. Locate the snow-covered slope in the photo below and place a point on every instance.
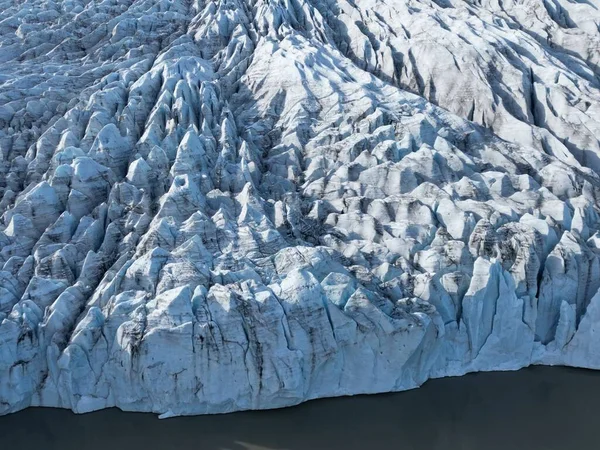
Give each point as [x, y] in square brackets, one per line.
[214, 206]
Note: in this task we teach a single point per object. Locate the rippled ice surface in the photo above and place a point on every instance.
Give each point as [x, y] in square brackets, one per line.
[538, 408]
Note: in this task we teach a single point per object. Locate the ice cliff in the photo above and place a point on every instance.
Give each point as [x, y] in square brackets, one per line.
[209, 206]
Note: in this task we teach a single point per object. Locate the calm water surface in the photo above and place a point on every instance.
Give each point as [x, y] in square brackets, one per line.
[539, 408]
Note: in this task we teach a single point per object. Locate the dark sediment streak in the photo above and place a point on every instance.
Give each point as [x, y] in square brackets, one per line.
[538, 408]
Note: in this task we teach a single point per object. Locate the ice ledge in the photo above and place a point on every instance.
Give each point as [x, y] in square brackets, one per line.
[195, 364]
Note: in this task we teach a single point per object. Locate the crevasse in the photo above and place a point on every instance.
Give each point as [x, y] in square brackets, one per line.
[236, 204]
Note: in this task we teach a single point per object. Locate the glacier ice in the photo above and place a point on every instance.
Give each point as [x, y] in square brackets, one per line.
[210, 206]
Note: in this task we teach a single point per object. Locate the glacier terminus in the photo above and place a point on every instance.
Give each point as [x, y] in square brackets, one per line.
[211, 206]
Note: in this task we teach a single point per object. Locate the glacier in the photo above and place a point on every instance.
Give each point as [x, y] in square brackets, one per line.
[211, 206]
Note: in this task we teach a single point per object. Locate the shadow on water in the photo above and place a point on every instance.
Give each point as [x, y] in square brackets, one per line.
[539, 408]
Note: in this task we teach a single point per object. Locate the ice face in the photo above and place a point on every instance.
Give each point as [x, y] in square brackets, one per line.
[215, 206]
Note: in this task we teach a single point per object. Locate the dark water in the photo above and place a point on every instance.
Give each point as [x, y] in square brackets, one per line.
[539, 408]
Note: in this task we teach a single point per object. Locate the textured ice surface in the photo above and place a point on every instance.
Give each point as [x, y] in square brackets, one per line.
[214, 206]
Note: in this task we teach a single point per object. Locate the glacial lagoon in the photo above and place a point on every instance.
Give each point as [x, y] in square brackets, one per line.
[538, 408]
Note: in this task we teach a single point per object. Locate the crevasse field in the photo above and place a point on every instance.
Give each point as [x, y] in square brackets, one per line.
[245, 204]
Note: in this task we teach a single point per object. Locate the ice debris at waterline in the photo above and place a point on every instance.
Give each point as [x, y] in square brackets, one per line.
[215, 206]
